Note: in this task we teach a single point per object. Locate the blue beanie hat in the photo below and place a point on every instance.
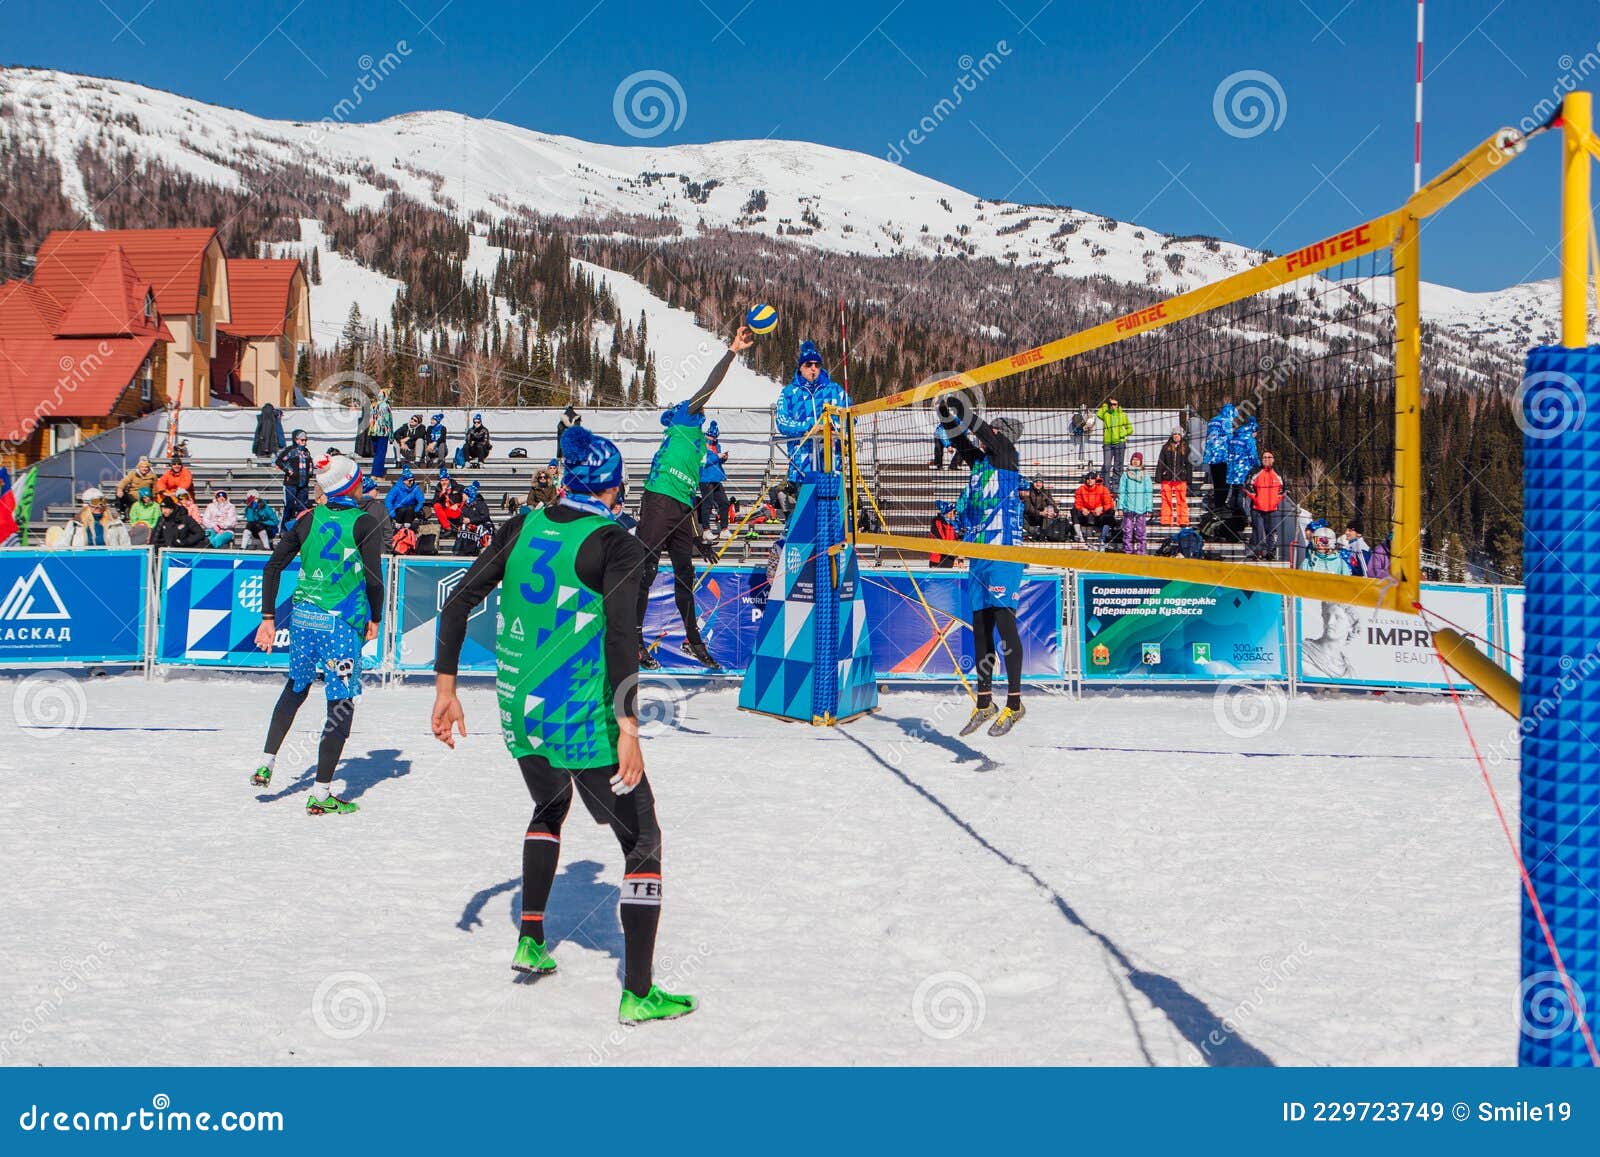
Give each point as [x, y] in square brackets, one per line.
[947, 507]
[368, 484]
[593, 463]
[438, 418]
[471, 491]
[713, 429]
[444, 472]
[808, 353]
[477, 417]
[406, 475]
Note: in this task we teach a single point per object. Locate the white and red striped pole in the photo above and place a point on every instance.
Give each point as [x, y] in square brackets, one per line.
[1416, 158]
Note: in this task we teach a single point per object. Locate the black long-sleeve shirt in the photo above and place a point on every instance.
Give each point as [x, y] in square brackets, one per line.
[369, 541]
[610, 561]
[713, 380]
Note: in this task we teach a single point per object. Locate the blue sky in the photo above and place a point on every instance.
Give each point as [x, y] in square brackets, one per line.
[1107, 107]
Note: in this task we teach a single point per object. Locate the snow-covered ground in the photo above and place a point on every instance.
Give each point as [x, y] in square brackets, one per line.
[1115, 883]
[345, 282]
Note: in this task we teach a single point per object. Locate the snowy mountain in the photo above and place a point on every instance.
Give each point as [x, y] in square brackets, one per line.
[825, 198]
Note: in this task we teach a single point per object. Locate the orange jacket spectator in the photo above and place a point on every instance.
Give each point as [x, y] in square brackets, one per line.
[1093, 498]
[176, 477]
[1265, 488]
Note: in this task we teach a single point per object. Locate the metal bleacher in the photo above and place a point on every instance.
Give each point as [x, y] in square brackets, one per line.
[893, 466]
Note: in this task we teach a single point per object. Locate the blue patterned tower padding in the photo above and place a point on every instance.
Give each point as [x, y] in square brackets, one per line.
[813, 659]
[1560, 399]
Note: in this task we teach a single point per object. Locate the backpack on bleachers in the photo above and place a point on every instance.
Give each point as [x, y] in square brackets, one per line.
[1223, 524]
[1187, 543]
[404, 541]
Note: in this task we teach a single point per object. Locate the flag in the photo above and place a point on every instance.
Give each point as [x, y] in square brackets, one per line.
[16, 504]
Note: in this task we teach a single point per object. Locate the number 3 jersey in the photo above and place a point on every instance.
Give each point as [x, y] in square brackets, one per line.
[566, 640]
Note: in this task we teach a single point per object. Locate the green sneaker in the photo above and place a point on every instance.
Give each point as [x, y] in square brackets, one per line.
[1007, 720]
[657, 1005]
[532, 957]
[262, 776]
[329, 805]
[980, 716]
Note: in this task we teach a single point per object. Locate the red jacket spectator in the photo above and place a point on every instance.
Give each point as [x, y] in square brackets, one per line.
[944, 530]
[1265, 488]
[1093, 498]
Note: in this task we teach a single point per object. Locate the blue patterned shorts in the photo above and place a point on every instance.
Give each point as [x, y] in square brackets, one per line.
[324, 644]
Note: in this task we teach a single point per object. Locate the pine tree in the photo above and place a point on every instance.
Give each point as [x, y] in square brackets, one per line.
[316, 265]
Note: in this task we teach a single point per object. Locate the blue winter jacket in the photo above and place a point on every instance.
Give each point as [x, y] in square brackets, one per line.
[1135, 493]
[1218, 431]
[1242, 456]
[711, 469]
[800, 408]
[403, 497]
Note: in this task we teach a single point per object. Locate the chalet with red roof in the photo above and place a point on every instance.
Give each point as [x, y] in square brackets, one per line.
[117, 323]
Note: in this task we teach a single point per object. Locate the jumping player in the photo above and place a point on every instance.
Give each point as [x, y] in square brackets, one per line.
[667, 511]
[566, 670]
[990, 510]
[338, 604]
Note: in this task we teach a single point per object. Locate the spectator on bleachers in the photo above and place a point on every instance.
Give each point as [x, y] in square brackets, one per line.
[380, 426]
[1135, 498]
[543, 492]
[140, 477]
[1324, 554]
[713, 491]
[221, 519]
[177, 528]
[445, 488]
[186, 500]
[438, 443]
[447, 503]
[569, 418]
[1194, 433]
[1242, 462]
[941, 446]
[1039, 509]
[478, 443]
[625, 520]
[174, 478]
[97, 524]
[1115, 430]
[294, 460]
[412, 437]
[405, 501]
[1093, 508]
[269, 433]
[1080, 425]
[145, 511]
[1354, 548]
[1263, 489]
[800, 408]
[1172, 474]
[372, 502]
[1215, 453]
[260, 522]
[477, 523]
[867, 521]
[944, 529]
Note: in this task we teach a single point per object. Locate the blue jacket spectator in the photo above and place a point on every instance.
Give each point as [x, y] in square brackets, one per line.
[1242, 456]
[800, 408]
[711, 469]
[1218, 431]
[406, 496]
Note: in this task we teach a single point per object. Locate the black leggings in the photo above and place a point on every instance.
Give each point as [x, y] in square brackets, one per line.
[335, 729]
[985, 622]
[632, 819]
[667, 524]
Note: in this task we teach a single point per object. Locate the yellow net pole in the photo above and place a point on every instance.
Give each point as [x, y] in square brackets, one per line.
[1405, 551]
[1576, 218]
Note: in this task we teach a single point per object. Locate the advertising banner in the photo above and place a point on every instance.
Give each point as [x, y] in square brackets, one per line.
[908, 644]
[729, 602]
[1358, 646]
[211, 609]
[1509, 649]
[64, 607]
[1168, 630]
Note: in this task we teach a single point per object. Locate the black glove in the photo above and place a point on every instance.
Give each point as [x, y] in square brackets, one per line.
[707, 551]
